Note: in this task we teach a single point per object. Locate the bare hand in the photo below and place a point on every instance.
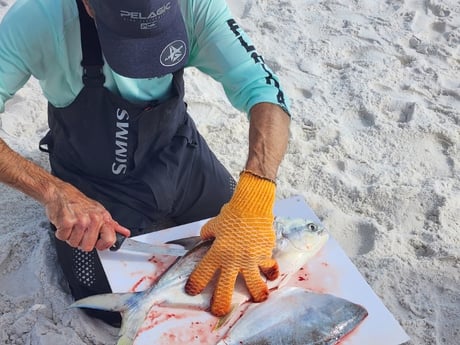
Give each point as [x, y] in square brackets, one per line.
[80, 221]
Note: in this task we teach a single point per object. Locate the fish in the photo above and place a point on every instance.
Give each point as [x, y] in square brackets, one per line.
[297, 240]
[296, 316]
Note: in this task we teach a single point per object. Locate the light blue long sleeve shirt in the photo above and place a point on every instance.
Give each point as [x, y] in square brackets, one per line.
[41, 38]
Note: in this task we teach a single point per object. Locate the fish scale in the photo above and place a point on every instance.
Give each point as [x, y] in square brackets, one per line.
[296, 316]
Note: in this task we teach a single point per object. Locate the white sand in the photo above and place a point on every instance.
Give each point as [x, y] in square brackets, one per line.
[375, 151]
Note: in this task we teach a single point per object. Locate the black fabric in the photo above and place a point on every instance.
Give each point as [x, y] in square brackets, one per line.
[164, 166]
[146, 163]
[85, 276]
[90, 46]
[92, 61]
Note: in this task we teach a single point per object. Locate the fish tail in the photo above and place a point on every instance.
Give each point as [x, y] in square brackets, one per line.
[110, 302]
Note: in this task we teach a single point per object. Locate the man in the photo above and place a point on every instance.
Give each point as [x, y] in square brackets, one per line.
[124, 153]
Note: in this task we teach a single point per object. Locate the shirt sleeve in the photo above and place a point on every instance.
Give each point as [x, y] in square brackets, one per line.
[21, 47]
[13, 72]
[221, 49]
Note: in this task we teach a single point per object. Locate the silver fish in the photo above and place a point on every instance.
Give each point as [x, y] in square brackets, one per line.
[297, 240]
[296, 316]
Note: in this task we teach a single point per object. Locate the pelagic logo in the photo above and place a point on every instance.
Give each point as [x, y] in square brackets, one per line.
[120, 165]
[173, 53]
[147, 20]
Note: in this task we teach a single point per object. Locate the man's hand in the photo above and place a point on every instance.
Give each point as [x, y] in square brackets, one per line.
[244, 237]
[244, 240]
[82, 222]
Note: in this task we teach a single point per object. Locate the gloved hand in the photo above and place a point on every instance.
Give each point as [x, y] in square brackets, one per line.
[244, 240]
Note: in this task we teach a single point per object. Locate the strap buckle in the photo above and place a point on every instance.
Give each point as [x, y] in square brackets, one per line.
[93, 76]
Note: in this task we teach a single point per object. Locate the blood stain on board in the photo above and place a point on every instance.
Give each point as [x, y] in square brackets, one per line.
[303, 275]
[317, 275]
[196, 328]
[142, 283]
[162, 262]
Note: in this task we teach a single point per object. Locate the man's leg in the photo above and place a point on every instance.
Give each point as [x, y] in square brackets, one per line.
[86, 277]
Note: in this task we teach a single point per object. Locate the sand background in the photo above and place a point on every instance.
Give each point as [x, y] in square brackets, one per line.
[375, 90]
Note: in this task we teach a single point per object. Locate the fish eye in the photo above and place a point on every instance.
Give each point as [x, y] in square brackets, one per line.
[313, 227]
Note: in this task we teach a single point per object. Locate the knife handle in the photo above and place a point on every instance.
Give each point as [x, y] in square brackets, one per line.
[118, 242]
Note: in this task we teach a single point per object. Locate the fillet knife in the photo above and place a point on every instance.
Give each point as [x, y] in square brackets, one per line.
[131, 245]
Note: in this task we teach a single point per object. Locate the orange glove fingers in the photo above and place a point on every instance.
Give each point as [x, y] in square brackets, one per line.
[202, 275]
[222, 297]
[207, 231]
[255, 284]
[244, 240]
[270, 269]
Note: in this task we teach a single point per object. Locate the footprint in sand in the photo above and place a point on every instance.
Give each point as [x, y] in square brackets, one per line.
[307, 94]
[366, 117]
[407, 112]
[421, 249]
[439, 27]
[438, 9]
[358, 239]
[447, 146]
[366, 238]
[425, 241]
[445, 302]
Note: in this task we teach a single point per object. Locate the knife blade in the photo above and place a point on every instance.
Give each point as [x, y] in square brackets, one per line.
[132, 245]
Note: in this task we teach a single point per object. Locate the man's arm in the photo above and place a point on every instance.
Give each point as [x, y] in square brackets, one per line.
[81, 222]
[268, 139]
[244, 226]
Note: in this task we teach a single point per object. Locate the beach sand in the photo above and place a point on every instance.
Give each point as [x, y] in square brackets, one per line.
[375, 151]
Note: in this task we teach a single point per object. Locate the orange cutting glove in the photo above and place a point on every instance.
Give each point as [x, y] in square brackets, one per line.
[243, 242]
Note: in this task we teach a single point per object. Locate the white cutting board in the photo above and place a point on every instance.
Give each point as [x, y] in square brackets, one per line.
[330, 271]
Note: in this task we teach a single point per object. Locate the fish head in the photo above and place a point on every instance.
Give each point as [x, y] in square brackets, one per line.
[299, 235]
[297, 241]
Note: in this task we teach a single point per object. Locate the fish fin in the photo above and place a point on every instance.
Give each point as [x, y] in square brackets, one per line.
[124, 340]
[224, 319]
[111, 301]
[190, 306]
[186, 242]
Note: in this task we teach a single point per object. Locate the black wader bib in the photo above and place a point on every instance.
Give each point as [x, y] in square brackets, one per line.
[145, 163]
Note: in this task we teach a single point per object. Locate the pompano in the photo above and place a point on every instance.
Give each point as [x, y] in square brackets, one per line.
[297, 240]
[296, 316]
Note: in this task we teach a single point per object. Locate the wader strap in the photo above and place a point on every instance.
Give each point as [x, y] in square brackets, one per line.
[92, 61]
